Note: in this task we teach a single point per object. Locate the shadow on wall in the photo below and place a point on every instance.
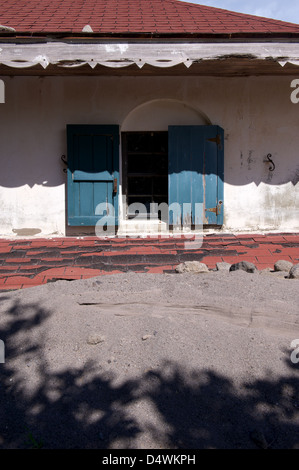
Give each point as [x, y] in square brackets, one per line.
[259, 167]
[85, 407]
[34, 164]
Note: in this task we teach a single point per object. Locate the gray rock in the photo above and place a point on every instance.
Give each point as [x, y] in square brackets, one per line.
[283, 265]
[192, 267]
[95, 339]
[223, 266]
[294, 272]
[145, 337]
[244, 266]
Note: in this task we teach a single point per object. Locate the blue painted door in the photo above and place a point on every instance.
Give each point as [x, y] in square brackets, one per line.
[196, 174]
[93, 174]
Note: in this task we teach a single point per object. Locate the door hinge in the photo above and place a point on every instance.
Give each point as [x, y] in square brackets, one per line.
[216, 209]
[217, 140]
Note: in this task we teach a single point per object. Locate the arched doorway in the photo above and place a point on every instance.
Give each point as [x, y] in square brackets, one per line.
[144, 162]
[159, 114]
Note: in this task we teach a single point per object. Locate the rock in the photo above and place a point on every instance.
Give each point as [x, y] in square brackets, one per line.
[95, 339]
[192, 267]
[145, 337]
[244, 266]
[294, 272]
[283, 265]
[223, 266]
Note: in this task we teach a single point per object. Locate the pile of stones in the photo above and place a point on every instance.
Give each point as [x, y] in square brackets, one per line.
[283, 267]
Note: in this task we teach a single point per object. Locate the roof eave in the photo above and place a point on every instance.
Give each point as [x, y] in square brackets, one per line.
[149, 35]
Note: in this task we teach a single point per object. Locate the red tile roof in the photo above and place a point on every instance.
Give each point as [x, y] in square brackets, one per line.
[132, 16]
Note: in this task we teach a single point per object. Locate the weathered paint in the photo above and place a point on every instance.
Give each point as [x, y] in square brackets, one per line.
[195, 157]
[26, 232]
[158, 54]
[92, 181]
[256, 113]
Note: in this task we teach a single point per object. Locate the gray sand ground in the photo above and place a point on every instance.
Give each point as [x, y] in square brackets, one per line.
[152, 361]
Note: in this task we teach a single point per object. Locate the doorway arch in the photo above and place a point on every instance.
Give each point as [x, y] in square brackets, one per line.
[153, 119]
[158, 114]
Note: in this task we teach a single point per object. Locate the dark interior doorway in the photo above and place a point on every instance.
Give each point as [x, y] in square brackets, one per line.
[145, 171]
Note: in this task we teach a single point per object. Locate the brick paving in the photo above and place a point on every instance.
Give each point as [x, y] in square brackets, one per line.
[32, 262]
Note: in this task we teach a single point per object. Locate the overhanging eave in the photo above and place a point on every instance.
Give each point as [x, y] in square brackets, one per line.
[120, 54]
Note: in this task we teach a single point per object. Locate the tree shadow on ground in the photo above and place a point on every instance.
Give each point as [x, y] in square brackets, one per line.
[84, 407]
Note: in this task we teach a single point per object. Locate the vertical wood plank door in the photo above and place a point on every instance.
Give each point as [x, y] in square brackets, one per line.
[93, 174]
[196, 175]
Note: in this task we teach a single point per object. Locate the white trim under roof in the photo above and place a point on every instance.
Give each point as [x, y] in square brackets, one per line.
[157, 54]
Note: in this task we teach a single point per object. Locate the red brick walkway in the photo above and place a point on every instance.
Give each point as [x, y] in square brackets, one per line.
[31, 262]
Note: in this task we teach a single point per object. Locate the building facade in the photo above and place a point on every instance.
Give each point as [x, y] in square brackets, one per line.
[149, 131]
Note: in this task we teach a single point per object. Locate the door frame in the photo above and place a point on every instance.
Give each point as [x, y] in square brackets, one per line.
[124, 172]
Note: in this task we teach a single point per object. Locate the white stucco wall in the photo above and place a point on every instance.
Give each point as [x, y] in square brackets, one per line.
[256, 114]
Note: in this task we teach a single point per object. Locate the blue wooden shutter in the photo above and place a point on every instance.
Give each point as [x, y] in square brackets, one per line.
[196, 174]
[93, 173]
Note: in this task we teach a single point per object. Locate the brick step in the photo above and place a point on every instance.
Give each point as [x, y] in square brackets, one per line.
[24, 263]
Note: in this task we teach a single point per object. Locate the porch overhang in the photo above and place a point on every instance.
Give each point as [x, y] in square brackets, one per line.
[17, 56]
